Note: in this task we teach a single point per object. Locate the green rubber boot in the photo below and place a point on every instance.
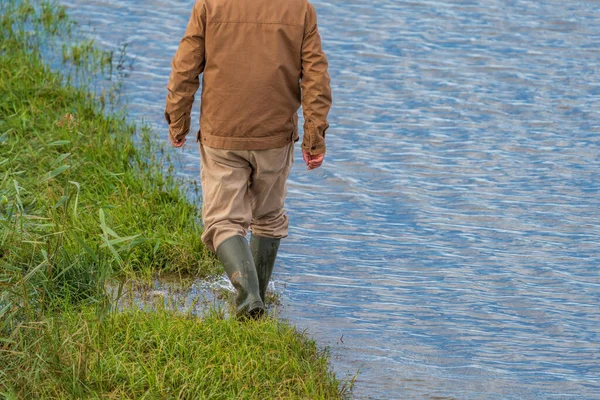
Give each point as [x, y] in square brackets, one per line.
[264, 252]
[236, 258]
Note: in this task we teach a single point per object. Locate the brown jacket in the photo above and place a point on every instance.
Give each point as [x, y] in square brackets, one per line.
[261, 60]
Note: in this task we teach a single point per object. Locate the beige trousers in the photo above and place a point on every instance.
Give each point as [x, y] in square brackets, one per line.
[244, 189]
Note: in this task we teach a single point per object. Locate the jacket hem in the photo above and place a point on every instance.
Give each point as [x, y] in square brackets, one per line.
[247, 143]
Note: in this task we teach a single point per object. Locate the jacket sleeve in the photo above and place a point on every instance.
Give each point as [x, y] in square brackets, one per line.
[315, 86]
[187, 65]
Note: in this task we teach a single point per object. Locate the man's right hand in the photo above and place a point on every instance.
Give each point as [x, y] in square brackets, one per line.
[311, 161]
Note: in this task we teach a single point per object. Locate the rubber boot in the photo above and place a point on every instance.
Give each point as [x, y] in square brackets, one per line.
[236, 258]
[264, 252]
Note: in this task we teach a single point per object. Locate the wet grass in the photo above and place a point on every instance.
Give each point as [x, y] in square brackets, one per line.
[79, 200]
[80, 204]
[159, 355]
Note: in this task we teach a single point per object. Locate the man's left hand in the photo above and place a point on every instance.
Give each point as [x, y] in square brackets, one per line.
[177, 144]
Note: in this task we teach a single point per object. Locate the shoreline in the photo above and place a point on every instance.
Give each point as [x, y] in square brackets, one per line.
[81, 205]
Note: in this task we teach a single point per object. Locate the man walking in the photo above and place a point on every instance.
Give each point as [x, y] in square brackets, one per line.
[260, 60]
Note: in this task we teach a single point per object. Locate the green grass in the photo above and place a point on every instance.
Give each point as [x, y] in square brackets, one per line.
[79, 201]
[162, 355]
[82, 204]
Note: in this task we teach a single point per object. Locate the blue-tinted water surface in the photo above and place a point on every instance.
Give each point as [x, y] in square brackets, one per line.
[449, 246]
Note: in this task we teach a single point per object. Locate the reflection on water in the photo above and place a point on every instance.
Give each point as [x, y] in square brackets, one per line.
[449, 246]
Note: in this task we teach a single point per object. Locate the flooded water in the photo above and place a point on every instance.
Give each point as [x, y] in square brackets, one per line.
[448, 248]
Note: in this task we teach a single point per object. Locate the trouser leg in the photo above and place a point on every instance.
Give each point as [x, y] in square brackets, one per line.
[241, 189]
[226, 213]
[226, 208]
[269, 224]
[268, 190]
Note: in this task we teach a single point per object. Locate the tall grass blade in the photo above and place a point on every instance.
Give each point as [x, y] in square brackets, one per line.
[61, 158]
[55, 173]
[18, 196]
[59, 143]
[105, 228]
[106, 231]
[27, 277]
[60, 202]
[76, 198]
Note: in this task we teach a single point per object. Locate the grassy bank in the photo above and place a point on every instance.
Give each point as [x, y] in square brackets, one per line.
[81, 204]
[161, 355]
[79, 200]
